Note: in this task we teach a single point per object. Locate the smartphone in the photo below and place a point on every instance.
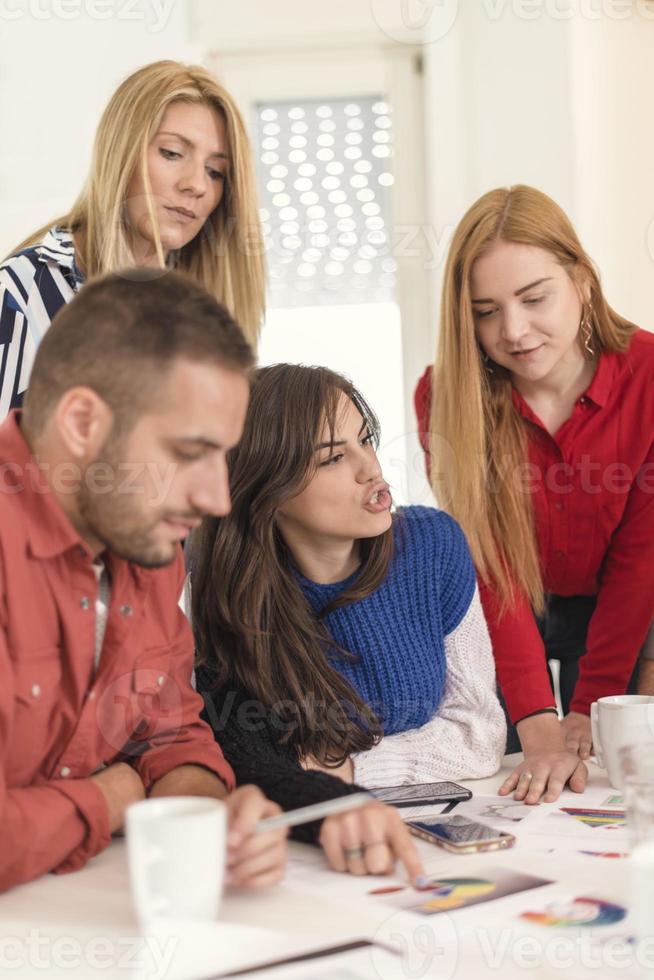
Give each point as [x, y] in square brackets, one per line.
[421, 794]
[460, 835]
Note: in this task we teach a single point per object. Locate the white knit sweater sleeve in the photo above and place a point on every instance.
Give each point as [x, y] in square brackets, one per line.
[466, 739]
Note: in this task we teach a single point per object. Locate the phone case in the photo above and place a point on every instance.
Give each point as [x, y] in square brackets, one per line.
[421, 794]
[470, 847]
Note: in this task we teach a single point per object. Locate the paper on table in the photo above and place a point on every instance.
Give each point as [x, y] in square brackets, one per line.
[463, 889]
[182, 950]
[581, 828]
[355, 964]
[500, 812]
[175, 951]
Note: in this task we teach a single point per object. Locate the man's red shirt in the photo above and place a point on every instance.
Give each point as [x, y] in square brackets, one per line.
[60, 720]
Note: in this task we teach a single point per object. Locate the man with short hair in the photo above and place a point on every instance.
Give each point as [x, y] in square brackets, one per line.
[138, 391]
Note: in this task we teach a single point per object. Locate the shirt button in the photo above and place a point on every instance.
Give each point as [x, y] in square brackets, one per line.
[91, 695]
[84, 602]
[36, 691]
[64, 771]
[126, 610]
[160, 680]
[559, 506]
[583, 400]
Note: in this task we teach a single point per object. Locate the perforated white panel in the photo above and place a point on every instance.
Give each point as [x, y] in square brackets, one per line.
[325, 178]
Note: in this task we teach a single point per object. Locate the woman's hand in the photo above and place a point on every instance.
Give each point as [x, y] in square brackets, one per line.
[368, 841]
[548, 763]
[577, 734]
[253, 860]
[545, 772]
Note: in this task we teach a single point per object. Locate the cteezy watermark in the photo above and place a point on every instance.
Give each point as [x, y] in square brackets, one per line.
[149, 955]
[154, 14]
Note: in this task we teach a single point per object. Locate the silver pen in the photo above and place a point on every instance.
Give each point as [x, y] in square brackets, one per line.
[316, 811]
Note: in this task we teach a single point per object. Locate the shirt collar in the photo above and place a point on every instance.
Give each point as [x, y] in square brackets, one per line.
[599, 388]
[597, 391]
[58, 246]
[49, 530]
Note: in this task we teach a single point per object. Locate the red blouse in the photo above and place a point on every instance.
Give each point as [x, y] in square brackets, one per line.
[593, 491]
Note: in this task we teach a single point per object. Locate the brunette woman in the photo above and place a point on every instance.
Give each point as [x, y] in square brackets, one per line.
[341, 645]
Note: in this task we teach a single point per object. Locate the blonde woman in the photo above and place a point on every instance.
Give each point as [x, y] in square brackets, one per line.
[171, 184]
[541, 436]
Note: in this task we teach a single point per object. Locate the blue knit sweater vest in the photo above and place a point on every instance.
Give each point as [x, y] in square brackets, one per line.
[397, 633]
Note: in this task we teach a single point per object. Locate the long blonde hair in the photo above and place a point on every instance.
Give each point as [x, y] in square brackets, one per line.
[227, 256]
[478, 441]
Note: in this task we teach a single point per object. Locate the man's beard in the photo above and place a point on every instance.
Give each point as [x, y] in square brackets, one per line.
[113, 517]
[119, 529]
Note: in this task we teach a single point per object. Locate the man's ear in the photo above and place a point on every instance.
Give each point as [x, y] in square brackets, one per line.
[83, 420]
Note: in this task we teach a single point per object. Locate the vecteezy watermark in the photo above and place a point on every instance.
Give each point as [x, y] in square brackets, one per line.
[569, 9]
[147, 954]
[155, 14]
[100, 478]
[589, 476]
[428, 949]
[138, 710]
[590, 949]
[415, 21]
[426, 21]
[316, 714]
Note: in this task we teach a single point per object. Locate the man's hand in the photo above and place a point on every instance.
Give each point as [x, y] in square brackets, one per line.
[368, 841]
[120, 785]
[548, 763]
[253, 860]
[577, 734]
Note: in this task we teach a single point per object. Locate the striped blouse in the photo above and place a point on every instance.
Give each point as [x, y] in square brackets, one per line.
[34, 285]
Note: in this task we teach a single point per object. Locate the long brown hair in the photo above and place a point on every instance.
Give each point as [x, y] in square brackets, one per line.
[227, 255]
[478, 440]
[253, 625]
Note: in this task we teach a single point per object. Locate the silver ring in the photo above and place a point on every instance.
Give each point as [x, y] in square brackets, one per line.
[353, 853]
[527, 775]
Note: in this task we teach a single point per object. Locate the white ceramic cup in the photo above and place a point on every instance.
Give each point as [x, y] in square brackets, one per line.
[618, 720]
[176, 855]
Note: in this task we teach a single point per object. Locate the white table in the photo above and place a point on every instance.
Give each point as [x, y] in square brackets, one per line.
[82, 925]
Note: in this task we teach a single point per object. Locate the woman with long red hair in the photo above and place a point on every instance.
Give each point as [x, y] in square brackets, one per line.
[539, 420]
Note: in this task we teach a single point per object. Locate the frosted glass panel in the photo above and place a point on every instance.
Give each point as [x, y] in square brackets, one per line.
[324, 181]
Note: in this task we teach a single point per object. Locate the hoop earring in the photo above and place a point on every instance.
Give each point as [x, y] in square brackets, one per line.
[487, 361]
[586, 331]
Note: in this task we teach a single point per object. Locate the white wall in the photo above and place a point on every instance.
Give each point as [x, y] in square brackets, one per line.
[515, 91]
[265, 24]
[556, 94]
[613, 83]
[56, 75]
[498, 113]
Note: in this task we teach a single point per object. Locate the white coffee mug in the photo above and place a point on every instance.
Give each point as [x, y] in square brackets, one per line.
[618, 720]
[176, 855]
